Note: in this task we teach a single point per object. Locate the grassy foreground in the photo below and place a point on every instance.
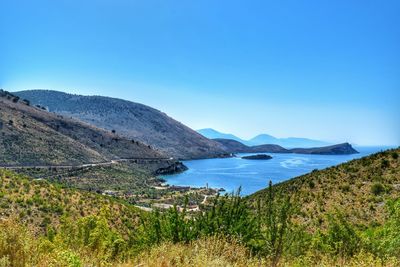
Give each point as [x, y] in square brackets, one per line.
[19, 247]
[43, 224]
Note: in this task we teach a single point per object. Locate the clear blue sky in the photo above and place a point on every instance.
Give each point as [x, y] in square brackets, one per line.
[319, 69]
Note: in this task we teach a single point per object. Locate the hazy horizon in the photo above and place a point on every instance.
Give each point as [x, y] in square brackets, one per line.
[320, 70]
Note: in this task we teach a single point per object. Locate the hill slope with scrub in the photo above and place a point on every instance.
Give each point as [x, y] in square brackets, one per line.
[33, 136]
[360, 189]
[131, 120]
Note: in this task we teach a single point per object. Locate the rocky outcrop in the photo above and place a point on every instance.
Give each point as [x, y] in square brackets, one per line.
[176, 167]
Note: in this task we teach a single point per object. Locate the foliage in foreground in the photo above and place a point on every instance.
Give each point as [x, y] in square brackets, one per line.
[228, 233]
[82, 229]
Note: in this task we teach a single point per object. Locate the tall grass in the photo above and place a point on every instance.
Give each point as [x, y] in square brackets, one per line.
[227, 233]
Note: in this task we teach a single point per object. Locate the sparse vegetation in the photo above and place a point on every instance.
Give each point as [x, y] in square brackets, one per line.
[32, 136]
[345, 215]
[359, 188]
[85, 229]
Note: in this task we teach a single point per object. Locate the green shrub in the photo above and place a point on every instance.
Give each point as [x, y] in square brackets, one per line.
[377, 189]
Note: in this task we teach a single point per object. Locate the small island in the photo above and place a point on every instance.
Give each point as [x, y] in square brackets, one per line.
[258, 157]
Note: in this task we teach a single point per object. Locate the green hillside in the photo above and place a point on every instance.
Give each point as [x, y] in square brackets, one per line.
[45, 145]
[360, 189]
[44, 224]
[41, 204]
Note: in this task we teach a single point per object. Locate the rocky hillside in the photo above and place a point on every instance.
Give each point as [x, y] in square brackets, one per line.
[33, 136]
[233, 146]
[131, 120]
[360, 189]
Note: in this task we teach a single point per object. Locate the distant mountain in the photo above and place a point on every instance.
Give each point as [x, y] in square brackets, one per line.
[214, 134]
[261, 139]
[294, 142]
[233, 146]
[33, 136]
[131, 120]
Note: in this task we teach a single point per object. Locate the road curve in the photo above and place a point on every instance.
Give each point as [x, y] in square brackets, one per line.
[106, 163]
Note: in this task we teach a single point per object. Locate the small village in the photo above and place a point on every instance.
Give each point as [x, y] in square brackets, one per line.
[190, 199]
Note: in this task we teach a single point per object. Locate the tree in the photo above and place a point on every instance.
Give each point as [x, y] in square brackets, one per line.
[274, 222]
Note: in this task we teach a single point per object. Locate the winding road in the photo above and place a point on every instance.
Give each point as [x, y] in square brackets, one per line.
[106, 163]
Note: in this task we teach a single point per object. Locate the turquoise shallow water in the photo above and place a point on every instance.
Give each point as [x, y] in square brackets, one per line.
[253, 175]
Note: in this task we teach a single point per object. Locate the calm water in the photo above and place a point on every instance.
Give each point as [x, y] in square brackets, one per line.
[254, 175]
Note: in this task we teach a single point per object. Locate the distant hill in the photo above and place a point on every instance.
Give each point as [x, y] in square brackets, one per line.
[213, 134]
[261, 139]
[33, 136]
[131, 120]
[339, 149]
[360, 189]
[290, 142]
[270, 148]
[233, 146]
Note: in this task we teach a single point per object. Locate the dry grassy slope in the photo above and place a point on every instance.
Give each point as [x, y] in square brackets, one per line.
[130, 119]
[359, 188]
[40, 203]
[32, 136]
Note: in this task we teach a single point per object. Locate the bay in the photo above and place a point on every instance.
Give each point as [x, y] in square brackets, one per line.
[254, 175]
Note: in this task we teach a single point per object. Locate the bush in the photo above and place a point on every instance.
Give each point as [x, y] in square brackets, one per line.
[385, 164]
[377, 189]
[16, 245]
[341, 239]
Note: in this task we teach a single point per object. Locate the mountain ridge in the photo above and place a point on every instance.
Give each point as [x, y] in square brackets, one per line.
[33, 136]
[289, 142]
[130, 120]
[233, 146]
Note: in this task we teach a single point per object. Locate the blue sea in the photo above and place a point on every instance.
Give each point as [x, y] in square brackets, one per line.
[253, 175]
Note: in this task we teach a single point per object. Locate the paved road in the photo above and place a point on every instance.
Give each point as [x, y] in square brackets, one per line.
[107, 163]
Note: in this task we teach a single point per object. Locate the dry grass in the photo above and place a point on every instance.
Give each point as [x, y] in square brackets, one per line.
[20, 248]
[213, 251]
[360, 260]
